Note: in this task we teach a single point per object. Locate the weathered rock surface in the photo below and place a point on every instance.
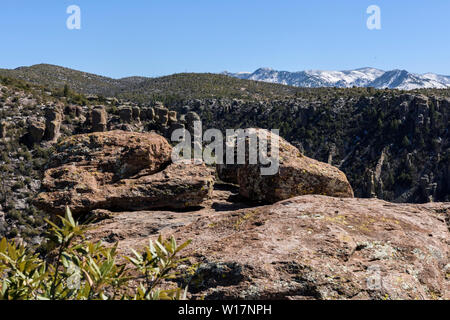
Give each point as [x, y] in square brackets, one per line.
[297, 175]
[308, 247]
[119, 170]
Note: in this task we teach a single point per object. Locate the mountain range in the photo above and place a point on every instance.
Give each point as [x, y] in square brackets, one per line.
[261, 83]
[363, 77]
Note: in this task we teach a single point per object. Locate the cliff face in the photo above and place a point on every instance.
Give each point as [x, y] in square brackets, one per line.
[390, 145]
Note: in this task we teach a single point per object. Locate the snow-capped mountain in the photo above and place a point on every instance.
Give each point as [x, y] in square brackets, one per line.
[364, 77]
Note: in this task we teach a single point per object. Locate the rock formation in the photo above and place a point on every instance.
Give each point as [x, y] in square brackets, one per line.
[172, 117]
[136, 113]
[99, 119]
[126, 114]
[355, 131]
[308, 247]
[162, 115]
[53, 119]
[297, 175]
[73, 110]
[36, 131]
[119, 170]
[148, 114]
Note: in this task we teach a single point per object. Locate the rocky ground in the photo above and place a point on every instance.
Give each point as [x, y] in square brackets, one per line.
[308, 247]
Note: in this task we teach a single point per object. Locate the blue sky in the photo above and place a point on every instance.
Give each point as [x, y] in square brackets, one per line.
[159, 37]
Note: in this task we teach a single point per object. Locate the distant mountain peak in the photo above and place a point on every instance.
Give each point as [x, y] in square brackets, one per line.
[361, 77]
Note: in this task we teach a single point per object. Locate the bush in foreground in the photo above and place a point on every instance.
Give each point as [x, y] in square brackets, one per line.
[76, 269]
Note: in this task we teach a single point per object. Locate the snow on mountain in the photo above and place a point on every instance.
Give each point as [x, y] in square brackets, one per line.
[363, 77]
[438, 78]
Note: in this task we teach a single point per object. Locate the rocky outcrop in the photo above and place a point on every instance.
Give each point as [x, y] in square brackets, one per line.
[36, 131]
[297, 175]
[53, 119]
[148, 114]
[162, 115]
[136, 113]
[126, 114]
[308, 247]
[99, 119]
[73, 111]
[119, 170]
[172, 117]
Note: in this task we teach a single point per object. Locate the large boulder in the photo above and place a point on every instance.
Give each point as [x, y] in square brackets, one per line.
[119, 170]
[297, 174]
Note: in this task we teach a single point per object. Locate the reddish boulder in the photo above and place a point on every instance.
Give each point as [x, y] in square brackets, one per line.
[119, 170]
[296, 175]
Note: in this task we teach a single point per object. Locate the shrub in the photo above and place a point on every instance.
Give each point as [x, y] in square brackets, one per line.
[76, 269]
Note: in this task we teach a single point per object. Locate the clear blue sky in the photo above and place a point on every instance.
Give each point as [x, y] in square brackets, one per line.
[158, 37]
